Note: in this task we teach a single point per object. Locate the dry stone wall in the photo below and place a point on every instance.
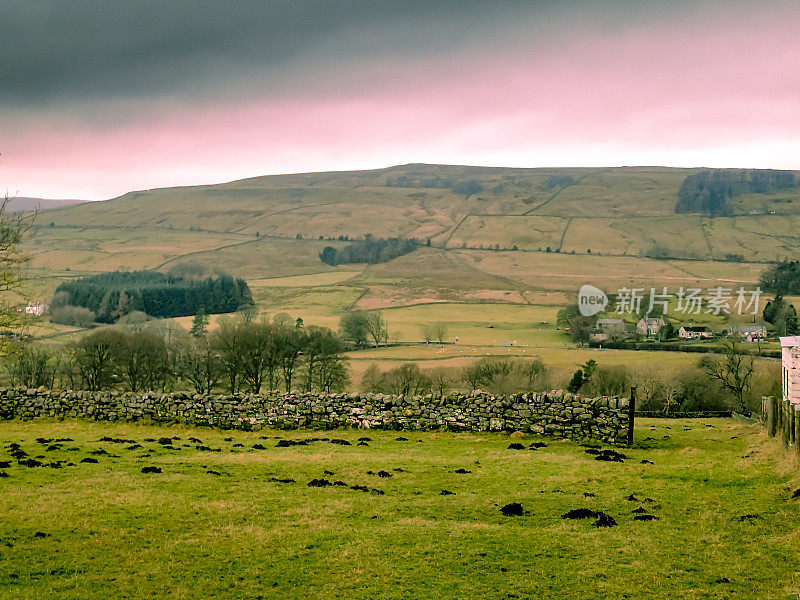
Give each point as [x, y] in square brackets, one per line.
[556, 413]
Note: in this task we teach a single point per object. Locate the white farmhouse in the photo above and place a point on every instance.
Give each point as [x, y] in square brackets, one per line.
[790, 368]
[693, 333]
[37, 309]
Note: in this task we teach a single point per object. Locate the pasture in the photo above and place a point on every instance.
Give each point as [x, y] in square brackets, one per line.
[137, 511]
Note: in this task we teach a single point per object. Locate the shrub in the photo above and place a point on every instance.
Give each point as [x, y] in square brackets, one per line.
[77, 316]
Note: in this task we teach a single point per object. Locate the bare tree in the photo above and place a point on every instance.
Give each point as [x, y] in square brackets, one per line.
[733, 369]
[531, 372]
[441, 380]
[439, 331]
[94, 359]
[14, 228]
[372, 379]
[377, 327]
[227, 341]
[199, 363]
[426, 331]
[353, 328]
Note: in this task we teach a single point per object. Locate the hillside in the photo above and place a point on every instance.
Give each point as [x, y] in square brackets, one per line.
[509, 247]
[612, 220]
[619, 211]
[22, 203]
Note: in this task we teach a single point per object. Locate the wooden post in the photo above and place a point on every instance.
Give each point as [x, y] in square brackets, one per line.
[792, 415]
[796, 408]
[770, 406]
[786, 424]
[771, 425]
[631, 414]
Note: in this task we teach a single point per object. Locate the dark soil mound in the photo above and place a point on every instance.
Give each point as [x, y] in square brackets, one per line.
[581, 513]
[605, 521]
[319, 483]
[288, 443]
[512, 510]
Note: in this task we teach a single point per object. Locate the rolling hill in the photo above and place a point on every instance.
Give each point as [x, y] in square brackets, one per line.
[508, 247]
[275, 226]
[22, 203]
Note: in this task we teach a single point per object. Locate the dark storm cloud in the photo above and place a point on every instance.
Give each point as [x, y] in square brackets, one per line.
[83, 50]
[122, 48]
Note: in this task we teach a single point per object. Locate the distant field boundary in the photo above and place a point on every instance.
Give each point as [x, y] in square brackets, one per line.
[667, 347]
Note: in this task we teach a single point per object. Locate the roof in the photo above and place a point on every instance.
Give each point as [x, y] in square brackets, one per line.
[652, 321]
[700, 328]
[609, 321]
[750, 328]
[791, 341]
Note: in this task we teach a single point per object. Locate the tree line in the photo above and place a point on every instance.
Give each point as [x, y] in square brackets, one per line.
[782, 278]
[110, 296]
[240, 355]
[466, 187]
[245, 355]
[368, 250]
[709, 191]
[724, 382]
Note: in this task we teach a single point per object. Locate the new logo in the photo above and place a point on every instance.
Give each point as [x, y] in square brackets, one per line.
[591, 300]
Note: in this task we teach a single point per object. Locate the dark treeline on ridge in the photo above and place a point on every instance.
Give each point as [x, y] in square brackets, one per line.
[710, 191]
[369, 250]
[782, 278]
[466, 188]
[111, 296]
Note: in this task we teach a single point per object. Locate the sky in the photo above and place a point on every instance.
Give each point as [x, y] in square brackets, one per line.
[101, 97]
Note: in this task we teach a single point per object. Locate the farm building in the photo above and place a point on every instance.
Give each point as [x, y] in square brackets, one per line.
[749, 332]
[611, 325]
[37, 309]
[790, 368]
[649, 326]
[693, 333]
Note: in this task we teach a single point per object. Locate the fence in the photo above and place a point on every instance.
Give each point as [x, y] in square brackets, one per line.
[782, 420]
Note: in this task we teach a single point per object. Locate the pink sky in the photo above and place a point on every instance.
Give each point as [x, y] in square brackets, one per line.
[718, 92]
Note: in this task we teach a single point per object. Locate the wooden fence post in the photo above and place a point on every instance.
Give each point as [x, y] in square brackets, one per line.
[770, 409]
[796, 409]
[786, 423]
[631, 414]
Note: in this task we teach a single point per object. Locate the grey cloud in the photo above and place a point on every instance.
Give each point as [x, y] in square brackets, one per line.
[107, 48]
[82, 50]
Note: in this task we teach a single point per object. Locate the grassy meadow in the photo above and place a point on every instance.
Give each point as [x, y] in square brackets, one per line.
[232, 515]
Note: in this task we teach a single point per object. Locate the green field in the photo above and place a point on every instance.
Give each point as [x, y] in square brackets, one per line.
[725, 525]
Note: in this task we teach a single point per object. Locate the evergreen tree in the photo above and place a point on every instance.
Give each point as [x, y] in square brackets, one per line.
[199, 324]
[576, 383]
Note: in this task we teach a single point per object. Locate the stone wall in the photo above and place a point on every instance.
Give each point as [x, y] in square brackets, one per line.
[555, 413]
